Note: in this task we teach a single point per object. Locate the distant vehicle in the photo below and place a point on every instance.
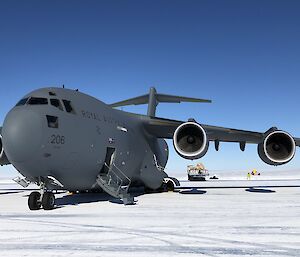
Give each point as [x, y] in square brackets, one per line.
[255, 173]
[214, 177]
[197, 173]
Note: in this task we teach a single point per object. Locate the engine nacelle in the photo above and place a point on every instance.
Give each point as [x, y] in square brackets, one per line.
[190, 141]
[3, 158]
[277, 148]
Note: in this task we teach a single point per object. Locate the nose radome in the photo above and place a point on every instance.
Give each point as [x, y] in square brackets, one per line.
[22, 134]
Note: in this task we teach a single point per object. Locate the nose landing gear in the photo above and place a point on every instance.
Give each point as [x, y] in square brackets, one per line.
[48, 201]
[44, 199]
[36, 201]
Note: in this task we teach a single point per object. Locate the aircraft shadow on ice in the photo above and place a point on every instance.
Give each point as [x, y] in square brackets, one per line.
[82, 198]
[10, 192]
[77, 199]
[259, 190]
[192, 191]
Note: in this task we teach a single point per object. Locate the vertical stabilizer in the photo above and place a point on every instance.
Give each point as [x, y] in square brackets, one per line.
[152, 103]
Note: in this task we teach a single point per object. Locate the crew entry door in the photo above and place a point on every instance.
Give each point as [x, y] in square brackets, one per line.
[109, 159]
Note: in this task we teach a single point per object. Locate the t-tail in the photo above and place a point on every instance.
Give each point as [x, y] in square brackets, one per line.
[154, 98]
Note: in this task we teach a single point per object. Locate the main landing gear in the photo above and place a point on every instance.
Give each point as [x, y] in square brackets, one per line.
[46, 200]
[170, 184]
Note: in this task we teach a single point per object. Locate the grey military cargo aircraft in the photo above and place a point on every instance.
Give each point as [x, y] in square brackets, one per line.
[63, 139]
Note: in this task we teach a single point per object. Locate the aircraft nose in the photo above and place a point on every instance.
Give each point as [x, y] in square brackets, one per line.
[22, 134]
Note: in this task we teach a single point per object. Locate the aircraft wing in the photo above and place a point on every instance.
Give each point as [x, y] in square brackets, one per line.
[159, 127]
[232, 135]
[165, 128]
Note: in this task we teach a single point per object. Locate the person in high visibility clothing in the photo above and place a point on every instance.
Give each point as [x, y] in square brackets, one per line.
[248, 176]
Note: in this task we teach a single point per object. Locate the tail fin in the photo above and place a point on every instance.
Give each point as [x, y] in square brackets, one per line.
[153, 99]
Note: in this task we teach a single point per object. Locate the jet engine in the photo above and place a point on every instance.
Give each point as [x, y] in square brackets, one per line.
[190, 140]
[277, 148]
[3, 158]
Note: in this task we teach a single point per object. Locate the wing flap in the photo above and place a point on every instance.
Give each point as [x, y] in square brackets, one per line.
[232, 135]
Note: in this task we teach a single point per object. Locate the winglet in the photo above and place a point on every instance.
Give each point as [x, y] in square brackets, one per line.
[153, 99]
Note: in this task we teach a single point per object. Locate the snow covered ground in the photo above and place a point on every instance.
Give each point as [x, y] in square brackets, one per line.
[193, 222]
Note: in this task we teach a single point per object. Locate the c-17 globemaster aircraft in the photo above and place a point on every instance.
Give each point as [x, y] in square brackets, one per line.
[63, 139]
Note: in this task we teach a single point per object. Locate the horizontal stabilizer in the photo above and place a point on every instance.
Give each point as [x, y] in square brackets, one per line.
[161, 98]
[154, 98]
[143, 99]
[178, 99]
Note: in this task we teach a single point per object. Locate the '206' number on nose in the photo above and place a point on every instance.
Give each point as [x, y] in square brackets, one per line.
[57, 139]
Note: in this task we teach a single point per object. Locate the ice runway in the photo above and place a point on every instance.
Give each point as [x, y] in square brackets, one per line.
[193, 222]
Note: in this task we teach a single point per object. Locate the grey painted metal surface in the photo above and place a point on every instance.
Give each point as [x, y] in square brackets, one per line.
[71, 137]
[153, 99]
[74, 150]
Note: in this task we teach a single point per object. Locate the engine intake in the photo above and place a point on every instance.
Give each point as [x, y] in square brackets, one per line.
[190, 141]
[277, 148]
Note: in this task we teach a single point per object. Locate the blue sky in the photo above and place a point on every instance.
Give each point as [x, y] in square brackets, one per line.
[244, 55]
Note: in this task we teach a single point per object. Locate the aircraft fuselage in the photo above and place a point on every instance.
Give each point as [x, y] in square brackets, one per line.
[73, 135]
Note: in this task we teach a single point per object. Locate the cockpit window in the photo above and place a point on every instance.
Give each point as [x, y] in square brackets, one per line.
[68, 106]
[37, 101]
[56, 103]
[22, 102]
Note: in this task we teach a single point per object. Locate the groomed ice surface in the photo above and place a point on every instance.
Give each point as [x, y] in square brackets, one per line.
[203, 222]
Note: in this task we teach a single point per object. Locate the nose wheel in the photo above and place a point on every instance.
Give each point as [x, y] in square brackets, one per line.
[34, 202]
[46, 200]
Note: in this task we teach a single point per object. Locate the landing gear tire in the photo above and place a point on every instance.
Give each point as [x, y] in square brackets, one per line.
[34, 202]
[48, 201]
[170, 186]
